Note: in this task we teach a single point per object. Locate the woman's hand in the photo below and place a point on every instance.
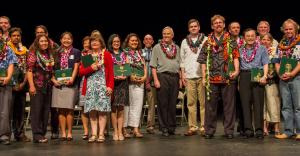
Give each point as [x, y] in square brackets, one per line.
[108, 91]
[94, 66]
[70, 82]
[32, 91]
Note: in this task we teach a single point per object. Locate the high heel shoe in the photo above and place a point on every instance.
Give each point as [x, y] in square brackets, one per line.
[121, 137]
[101, 139]
[93, 138]
[115, 137]
[85, 137]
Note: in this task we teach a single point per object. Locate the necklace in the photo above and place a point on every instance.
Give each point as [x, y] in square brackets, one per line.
[64, 57]
[3, 51]
[99, 57]
[45, 63]
[194, 46]
[119, 58]
[287, 46]
[134, 54]
[169, 50]
[19, 51]
[252, 56]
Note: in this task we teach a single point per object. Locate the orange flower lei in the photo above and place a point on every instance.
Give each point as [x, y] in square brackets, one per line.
[282, 43]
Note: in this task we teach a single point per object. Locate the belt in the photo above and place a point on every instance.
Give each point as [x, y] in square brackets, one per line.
[245, 70]
[170, 73]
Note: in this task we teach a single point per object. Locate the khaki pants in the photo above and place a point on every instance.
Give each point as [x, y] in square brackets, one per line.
[272, 103]
[195, 92]
[152, 102]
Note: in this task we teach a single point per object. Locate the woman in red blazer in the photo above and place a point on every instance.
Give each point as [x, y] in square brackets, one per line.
[98, 86]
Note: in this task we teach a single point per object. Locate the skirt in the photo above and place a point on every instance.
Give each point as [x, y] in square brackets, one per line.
[64, 97]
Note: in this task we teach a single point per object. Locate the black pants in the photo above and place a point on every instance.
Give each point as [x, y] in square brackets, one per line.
[167, 98]
[252, 93]
[54, 121]
[40, 108]
[239, 113]
[18, 101]
[227, 93]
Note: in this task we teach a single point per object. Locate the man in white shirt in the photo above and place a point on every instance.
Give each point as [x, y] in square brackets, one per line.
[192, 77]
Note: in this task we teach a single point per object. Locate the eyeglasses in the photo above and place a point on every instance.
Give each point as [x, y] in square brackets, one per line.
[41, 32]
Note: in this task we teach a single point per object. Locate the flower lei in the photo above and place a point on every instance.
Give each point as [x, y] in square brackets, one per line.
[195, 46]
[240, 42]
[135, 56]
[121, 56]
[287, 46]
[21, 50]
[44, 63]
[170, 52]
[252, 56]
[64, 54]
[3, 51]
[100, 57]
[213, 47]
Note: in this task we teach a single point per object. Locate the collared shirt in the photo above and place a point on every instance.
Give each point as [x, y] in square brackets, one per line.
[189, 60]
[219, 56]
[295, 53]
[10, 58]
[147, 54]
[162, 63]
[260, 59]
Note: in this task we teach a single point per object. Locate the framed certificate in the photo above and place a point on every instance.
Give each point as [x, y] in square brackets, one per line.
[63, 75]
[287, 65]
[139, 72]
[87, 60]
[122, 70]
[256, 74]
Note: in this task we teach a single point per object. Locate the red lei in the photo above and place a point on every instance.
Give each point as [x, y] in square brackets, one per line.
[3, 52]
[169, 50]
[216, 48]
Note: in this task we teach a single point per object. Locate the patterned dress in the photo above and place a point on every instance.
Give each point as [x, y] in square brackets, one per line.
[121, 90]
[96, 98]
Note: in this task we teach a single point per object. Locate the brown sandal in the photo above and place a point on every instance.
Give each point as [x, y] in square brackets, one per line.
[190, 133]
[138, 135]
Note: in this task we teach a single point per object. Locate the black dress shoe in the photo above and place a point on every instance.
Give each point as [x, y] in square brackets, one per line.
[69, 138]
[63, 139]
[171, 132]
[165, 133]
[229, 136]
[209, 136]
[54, 136]
[259, 136]
[150, 131]
[5, 142]
[23, 138]
[44, 140]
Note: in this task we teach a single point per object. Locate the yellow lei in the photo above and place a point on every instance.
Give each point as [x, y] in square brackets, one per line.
[22, 50]
[102, 57]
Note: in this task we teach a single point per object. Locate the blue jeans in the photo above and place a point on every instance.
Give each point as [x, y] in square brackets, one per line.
[290, 93]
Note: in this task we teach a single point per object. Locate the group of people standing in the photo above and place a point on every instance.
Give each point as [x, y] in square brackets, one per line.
[213, 69]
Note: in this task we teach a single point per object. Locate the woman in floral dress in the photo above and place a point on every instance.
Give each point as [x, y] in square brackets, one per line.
[97, 87]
